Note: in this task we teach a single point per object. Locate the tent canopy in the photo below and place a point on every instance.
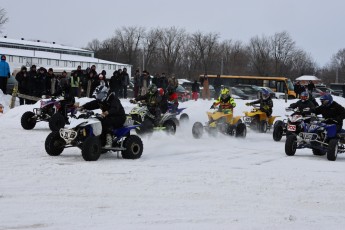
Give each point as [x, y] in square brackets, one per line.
[307, 78]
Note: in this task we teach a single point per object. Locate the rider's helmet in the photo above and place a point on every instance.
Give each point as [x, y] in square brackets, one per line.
[100, 93]
[161, 92]
[326, 99]
[304, 96]
[225, 93]
[265, 94]
[152, 89]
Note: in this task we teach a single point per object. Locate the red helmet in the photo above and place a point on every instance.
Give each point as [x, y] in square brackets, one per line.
[161, 91]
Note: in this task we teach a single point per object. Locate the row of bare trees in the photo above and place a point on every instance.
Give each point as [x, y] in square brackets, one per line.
[174, 51]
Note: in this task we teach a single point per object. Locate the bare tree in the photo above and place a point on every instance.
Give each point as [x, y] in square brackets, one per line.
[3, 18]
[94, 45]
[206, 48]
[301, 64]
[150, 46]
[283, 49]
[129, 39]
[235, 58]
[259, 53]
[171, 42]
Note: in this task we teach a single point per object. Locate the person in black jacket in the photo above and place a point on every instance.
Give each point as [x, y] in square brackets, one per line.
[153, 102]
[113, 113]
[265, 101]
[331, 111]
[115, 83]
[22, 79]
[303, 103]
[311, 86]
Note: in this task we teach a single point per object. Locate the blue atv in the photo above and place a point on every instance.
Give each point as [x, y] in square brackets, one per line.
[319, 136]
[184, 118]
[84, 133]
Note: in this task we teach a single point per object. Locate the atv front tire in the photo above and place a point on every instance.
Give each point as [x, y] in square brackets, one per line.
[27, 121]
[54, 144]
[291, 145]
[197, 130]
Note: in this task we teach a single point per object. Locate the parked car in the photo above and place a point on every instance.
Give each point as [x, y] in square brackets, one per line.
[240, 94]
[183, 94]
[325, 89]
[317, 93]
[250, 90]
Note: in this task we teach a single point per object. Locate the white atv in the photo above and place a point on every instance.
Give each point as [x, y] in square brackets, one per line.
[85, 132]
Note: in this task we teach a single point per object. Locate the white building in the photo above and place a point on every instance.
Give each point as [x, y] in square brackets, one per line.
[51, 55]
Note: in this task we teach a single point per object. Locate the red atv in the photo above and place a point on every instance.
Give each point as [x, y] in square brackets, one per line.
[54, 111]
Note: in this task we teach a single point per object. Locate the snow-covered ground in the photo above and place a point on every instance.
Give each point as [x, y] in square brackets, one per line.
[178, 183]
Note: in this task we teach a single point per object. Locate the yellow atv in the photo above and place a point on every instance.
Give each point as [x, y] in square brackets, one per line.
[220, 121]
[258, 120]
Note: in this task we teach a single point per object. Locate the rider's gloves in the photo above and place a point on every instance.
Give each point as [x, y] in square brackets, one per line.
[248, 104]
[266, 107]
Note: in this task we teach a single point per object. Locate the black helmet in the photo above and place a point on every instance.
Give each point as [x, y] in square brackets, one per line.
[23, 68]
[152, 89]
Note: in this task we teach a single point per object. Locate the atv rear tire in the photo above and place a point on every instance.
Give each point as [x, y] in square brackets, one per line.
[91, 149]
[170, 127]
[56, 122]
[134, 147]
[290, 145]
[197, 130]
[54, 144]
[278, 130]
[27, 121]
[241, 130]
[332, 151]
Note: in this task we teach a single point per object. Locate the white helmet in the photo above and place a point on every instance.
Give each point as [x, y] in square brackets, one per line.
[100, 93]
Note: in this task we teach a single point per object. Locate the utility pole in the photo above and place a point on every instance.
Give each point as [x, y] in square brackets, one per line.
[143, 59]
[336, 75]
[221, 67]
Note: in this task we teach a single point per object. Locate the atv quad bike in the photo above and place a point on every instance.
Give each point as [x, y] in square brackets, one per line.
[50, 111]
[258, 120]
[322, 138]
[84, 133]
[222, 122]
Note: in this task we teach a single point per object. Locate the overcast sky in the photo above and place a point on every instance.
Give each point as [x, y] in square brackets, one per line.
[317, 26]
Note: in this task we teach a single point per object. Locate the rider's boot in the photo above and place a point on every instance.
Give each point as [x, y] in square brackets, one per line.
[108, 141]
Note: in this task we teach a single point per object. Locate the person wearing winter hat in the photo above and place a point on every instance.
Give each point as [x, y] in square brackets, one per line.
[4, 74]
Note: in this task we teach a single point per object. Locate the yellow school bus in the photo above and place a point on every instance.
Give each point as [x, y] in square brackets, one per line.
[277, 84]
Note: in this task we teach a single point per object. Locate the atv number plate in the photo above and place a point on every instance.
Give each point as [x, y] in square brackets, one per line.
[291, 128]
